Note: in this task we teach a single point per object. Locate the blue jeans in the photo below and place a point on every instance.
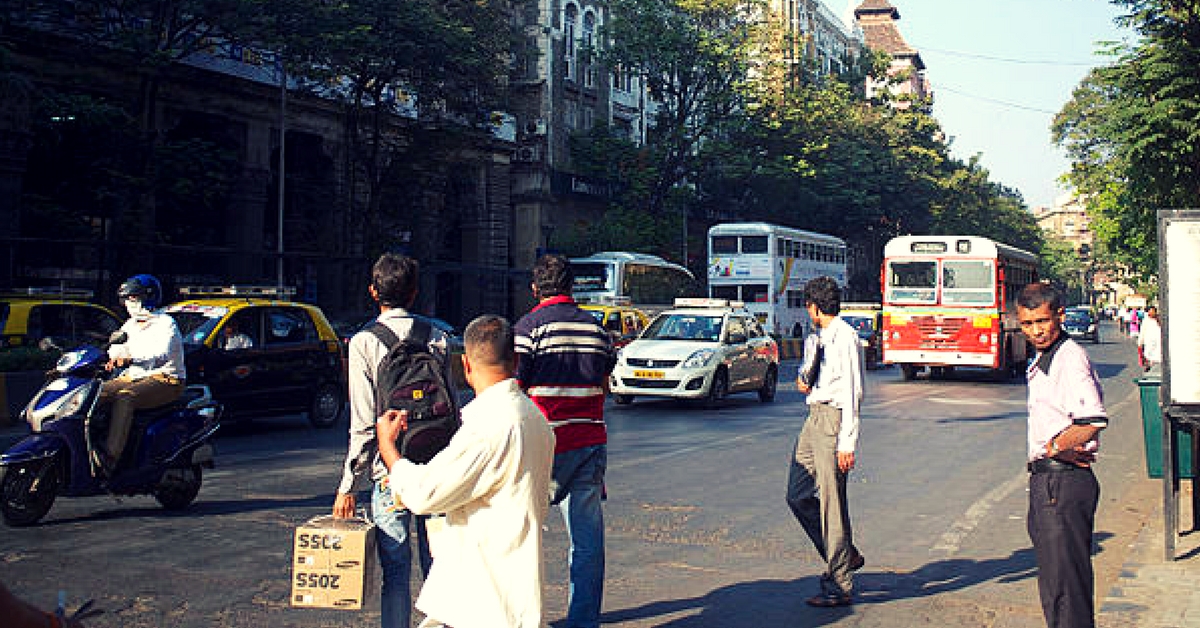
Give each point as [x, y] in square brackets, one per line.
[395, 556]
[577, 482]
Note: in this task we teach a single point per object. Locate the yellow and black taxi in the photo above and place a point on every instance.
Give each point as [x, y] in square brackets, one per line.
[867, 321]
[700, 349]
[260, 353]
[66, 317]
[622, 321]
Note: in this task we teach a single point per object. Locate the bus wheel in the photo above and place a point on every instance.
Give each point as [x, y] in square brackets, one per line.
[909, 371]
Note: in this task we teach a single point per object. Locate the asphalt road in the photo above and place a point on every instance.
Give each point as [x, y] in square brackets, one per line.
[699, 535]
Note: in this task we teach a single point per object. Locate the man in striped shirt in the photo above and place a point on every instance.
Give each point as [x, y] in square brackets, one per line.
[564, 359]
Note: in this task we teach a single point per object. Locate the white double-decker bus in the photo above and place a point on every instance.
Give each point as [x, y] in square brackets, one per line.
[647, 281]
[766, 266]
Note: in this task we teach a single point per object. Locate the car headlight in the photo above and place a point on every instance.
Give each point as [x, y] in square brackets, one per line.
[698, 359]
[67, 405]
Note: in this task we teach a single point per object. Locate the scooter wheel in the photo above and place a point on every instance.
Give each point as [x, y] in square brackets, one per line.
[178, 487]
[28, 491]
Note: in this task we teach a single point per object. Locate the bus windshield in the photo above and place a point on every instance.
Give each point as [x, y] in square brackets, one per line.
[967, 282]
[912, 282]
[591, 277]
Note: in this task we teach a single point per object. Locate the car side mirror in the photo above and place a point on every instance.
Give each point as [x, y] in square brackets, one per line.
[737, 339]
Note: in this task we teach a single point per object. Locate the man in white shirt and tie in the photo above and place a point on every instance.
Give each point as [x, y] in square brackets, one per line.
[824, 452]
[493, 483]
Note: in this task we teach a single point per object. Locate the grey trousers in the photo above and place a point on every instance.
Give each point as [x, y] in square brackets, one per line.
[816, 494]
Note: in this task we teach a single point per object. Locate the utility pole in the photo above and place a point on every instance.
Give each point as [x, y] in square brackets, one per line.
[282, 172]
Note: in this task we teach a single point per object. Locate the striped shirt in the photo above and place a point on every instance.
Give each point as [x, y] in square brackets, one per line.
[564, 356]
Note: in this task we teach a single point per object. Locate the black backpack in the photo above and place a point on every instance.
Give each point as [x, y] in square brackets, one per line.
[410, 378]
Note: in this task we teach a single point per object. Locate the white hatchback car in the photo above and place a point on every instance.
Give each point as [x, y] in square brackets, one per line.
[701, 349]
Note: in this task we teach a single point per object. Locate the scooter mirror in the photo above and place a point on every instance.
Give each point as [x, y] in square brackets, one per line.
[47, 344]
[118, 337]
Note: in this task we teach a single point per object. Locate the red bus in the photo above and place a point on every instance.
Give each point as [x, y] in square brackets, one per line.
[950, 301]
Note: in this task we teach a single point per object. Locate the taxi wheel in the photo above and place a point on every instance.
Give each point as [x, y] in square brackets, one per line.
[326, 406]
[766, 394]
[718, 389]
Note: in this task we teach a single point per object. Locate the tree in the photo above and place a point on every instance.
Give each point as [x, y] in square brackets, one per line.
[1132, 130]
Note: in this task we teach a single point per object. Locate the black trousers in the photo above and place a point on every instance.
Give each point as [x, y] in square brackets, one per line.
[1062, 515]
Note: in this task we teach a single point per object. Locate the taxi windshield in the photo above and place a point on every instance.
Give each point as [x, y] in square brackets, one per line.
[196, 322]
[697, 327]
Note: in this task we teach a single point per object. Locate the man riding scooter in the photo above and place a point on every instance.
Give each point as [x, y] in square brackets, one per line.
[153, 360]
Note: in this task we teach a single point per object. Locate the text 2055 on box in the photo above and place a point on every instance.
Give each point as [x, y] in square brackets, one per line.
[333, 563]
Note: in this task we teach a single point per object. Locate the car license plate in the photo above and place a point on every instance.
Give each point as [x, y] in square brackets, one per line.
[648, 374]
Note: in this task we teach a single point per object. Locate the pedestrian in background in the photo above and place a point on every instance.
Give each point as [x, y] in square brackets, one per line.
[491, 481]
[394, 280]
[1150, 340]
[1066, 414]
[824, 452]
[1135, 323]
[564, 358]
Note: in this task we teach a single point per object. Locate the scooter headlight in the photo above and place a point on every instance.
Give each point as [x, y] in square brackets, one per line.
[68, 361]
[64, 406]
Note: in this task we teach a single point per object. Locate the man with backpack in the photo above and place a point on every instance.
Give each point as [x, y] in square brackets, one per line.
[564, 359]
[394, 281]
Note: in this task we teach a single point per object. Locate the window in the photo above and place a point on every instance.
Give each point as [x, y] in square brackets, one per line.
[755, 293]
[795, 299]
[724, 245]
[754, 244]
[589, 32]
[967, 282]
[288, 326]
[569, 47]
[914, 282]
[724, 292]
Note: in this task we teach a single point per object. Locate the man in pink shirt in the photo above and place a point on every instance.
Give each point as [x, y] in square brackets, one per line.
[1066, 414]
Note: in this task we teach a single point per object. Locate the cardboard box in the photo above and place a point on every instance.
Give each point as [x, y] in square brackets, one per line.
[333, 563]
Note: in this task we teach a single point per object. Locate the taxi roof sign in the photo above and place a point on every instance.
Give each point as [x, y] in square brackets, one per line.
[703, 302]
[238, 291]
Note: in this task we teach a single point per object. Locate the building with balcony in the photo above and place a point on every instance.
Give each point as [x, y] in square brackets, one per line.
[907, 83]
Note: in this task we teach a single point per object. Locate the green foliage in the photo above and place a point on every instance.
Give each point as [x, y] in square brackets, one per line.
[1132, 130]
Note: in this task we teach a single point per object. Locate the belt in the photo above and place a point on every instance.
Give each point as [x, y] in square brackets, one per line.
[1051, 465]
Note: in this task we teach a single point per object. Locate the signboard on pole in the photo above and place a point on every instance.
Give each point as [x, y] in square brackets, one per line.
[1179, 294]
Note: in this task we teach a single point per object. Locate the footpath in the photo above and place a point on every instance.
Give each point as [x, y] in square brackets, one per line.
[1151, 592]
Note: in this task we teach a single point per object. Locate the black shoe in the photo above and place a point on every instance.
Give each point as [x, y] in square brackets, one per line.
[857, 562]
[829, 600]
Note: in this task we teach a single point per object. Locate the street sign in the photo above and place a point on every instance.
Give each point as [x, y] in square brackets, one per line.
[1179, 293]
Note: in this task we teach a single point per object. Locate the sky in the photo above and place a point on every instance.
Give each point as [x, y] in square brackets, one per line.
[1000, 70]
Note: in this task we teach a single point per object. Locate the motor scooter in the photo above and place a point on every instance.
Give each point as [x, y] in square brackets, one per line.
[168, 446]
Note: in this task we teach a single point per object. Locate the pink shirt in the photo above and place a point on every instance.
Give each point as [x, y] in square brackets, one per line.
[1063, 390]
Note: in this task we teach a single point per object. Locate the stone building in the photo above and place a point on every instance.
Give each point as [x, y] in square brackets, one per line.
[455, 215]
[877, 19]
[561, 89]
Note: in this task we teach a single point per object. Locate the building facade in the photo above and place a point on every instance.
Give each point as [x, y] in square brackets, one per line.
[908, 83]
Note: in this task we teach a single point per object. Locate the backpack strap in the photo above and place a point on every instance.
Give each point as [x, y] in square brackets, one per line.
[418, 336]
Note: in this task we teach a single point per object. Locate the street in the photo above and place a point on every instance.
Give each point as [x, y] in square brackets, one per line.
[699, 534]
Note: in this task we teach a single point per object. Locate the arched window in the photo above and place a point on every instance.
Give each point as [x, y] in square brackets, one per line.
[570, 16]
[589, 41]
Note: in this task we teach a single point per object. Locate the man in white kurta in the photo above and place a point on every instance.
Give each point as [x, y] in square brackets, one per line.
[493, 484]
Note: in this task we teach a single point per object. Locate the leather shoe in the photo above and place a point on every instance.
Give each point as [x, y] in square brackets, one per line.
[829, 600]
[857, 562]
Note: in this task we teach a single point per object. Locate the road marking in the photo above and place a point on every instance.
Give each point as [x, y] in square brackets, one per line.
[970, 520]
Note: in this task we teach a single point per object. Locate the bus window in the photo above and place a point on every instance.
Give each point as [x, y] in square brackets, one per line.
[755, 293]
[754, 244]
[725, 292]
[795, 299]
[725, 245]
[591, 277]
[967, 282]
[912, 282]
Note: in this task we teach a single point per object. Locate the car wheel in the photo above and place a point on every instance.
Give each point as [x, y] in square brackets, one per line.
[766, 394]
[622, 400]
[718, 389]
[326, 406]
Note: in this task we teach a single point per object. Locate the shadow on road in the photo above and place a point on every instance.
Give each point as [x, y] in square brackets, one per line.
[218, 507]
[1106, 370]
[781, 602]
